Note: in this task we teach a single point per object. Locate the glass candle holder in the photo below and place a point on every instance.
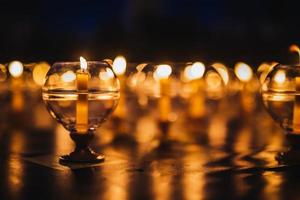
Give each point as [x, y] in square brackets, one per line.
[81, 96]
[281, 96]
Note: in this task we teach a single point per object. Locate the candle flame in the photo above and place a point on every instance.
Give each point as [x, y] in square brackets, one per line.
[15, 68]
[83, 63]
[119, 65]
[162, 72]
[243, 71]
[280, 77]
[68, 76]
[195, 71]
[222, 70]
[295, 48]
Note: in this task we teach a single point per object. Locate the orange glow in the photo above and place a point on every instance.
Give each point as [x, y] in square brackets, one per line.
[222, 70]
[264, 69]
[3, 75]
[213, 80]
[295, 48]
[119, 65]
[39, 73]
[15, 68]
[243, 72]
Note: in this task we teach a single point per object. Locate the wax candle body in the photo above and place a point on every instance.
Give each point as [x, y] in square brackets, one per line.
[197, 101]
[17, 101]
[164, 101]
[120, 111]
[247, 98]
[82, 102]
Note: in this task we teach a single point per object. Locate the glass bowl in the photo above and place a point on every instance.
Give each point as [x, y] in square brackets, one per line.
[81, 100]
[281, 96]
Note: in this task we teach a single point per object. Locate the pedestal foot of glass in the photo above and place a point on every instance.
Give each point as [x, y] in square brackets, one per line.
[82, 153]
[292, 155]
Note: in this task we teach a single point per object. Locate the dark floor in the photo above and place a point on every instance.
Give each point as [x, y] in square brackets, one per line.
[227, 155]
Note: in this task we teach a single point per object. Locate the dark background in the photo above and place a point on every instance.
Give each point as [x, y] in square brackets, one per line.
[153, 30]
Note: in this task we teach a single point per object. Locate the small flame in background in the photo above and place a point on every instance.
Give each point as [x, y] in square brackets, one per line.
[162, 72]
[119, 65]
[15, 68]
[243, 72]
[280, 77]
[195, 71]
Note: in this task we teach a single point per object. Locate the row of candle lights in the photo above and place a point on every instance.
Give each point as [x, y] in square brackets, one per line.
[196, 83]
[193, 82]
[158, 82]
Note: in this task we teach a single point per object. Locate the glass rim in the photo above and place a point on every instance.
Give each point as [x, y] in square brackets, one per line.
[78, 62]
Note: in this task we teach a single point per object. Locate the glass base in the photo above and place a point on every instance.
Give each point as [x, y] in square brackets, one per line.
[82, 152]
[82, 156]
[292, 155]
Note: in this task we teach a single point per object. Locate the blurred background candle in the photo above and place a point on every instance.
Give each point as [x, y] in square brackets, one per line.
[161, 75]
[247, 88]
[82, 77]
[15, 69]
[194, 74]
[296, 109]
[119, 67]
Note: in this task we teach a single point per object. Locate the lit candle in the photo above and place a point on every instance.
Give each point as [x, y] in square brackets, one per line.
[194, 74]
[296, 109]
[82, 77]
[119, 67]
[15, 68]
[245, 74]
[162, 74]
